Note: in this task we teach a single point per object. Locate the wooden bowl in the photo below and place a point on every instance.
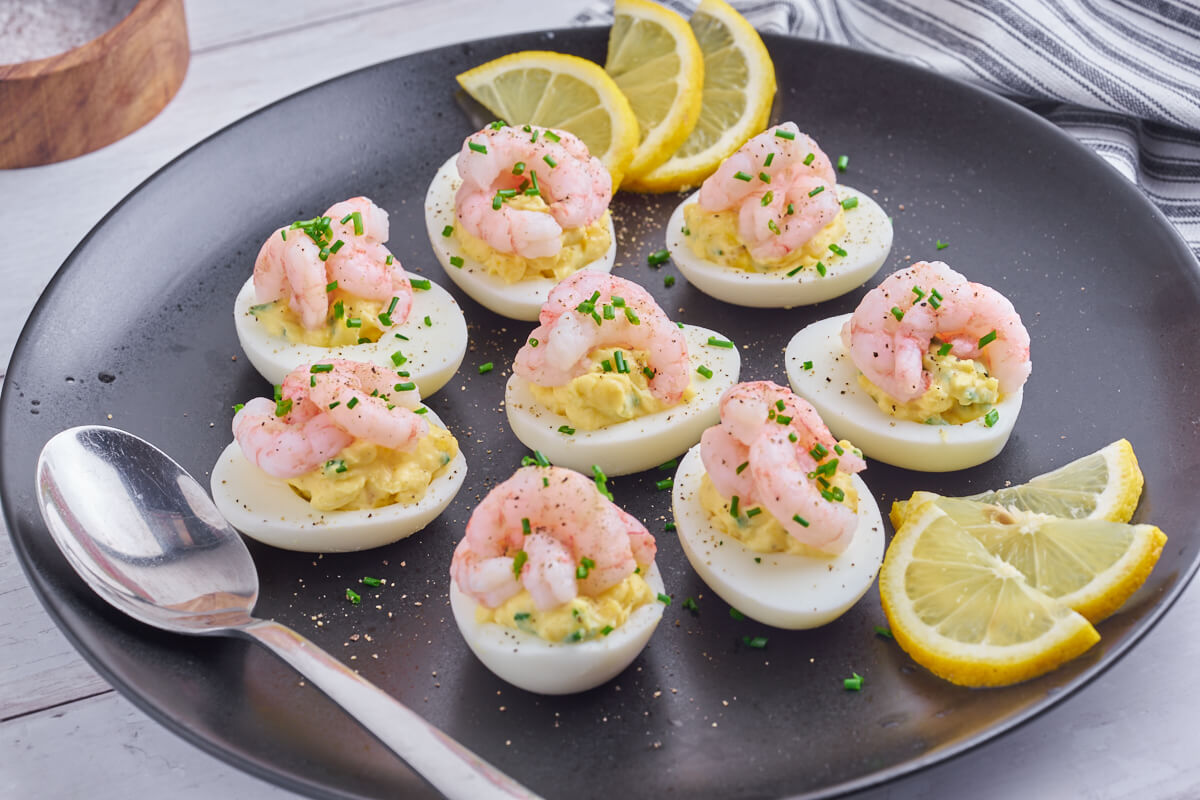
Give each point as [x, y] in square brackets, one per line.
[64, 106]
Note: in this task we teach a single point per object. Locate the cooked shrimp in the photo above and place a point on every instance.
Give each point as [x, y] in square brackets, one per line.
[574, 323]
[285, 447]
[289, 265]
[363, 400]
[891, 330]
[564, 526]
[763, 452]
[790, 195]
[575, 187]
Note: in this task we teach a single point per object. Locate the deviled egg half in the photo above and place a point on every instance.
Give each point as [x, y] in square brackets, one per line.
[608, 380]
[344, 458]
[554, 587]
[327, 288]
[772, 514]
[926, 374]
[771, 228]
[515, 212]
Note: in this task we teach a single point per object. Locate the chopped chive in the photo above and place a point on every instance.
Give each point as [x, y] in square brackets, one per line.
[631, 316]
[783, 420]
[658, 257]
[839, 494]
[770, 157]
[606, 630]
[478, 148]
[540, 458]
[358, 223]
[352, 403]
[324, 254]
[741, 176]
[369, 581]
[525, 526]
[839, 251]
[282, 407]
[935, 301]
[792, 273]
[782, 134]
[705, 371]
[837, 448]
[407, 386]
[842, 162]
[669, 281]
[606, 365]
[507, 193]
[733, 506]
[533, 136]
[353, 596]
[945, 349]
[753, 512]
[618, 301]
[818, 452]
[733, 612]
[767, 198]
[622, 364]
[808, 159]
[389, 259]
[329, 287]
[672, 464]
[354, 322]
[764, 177]
[849, 203]
[821, 269]
[550, 161]
[486, 367]
[882, 631]
[283, 233]
[685, 230]
[551, 135]
[806, 365]
[853, 684]
[385, 319]
[772, 227]
[335, 404]
[919, 292]
[756, 642]
[669, 527]
[401, 336]
[278, 392]
[665, 599]
[519, 561]
[321, 368]
[428, 322]
[608, 312]
[518, 168]
[664, 484]
[801, 520]
[715, 342]
[398, 358]
[942, 245]
[816, 191]
[992, 418]
[533, 189]
[238, 407]
[456, 261]
[497, 201]
[691, 606]
[567, 429]
[897, 313]
[987, 339]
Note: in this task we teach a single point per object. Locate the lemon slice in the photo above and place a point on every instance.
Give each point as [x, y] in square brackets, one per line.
[739, 86]
[1103, 485]
[965, 614]
[655, 59]
[554, 90]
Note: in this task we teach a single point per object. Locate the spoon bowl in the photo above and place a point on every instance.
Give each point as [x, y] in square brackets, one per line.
[143, 533]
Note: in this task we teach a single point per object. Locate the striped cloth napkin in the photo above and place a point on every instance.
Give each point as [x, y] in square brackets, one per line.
[1121, 76]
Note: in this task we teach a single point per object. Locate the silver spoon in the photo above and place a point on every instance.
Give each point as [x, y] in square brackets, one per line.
[145, 536]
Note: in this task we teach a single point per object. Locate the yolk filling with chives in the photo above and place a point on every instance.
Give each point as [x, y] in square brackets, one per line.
[960, 390]
[606, 394]
[577, 620]
[281, 321]
[367, 475]
[756, 528]
[715, 237]
[580, 247]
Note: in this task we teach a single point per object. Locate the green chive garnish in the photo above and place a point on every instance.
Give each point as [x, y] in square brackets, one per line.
[733, 506]
[525, 526]
[606, 365]
[567, 429]
[398, 358]
[497, 201]
[757, 642]
[800, 520]
[705, 371]
[519, 561]
[354, 322]
[631, 316]
[897, 313]
[808, 159]
[456, 261]
[715, 342]
[369, 581]
[764, 177]
[389, 259]
[816, 191]
[238, 407]
[945, 349]
[669, 281]
[518, 168]
[329, 287]
[540, 458]
[669, 527]
[606, 630]
[853, 684]
[407, 386]
[741, 176]
[842, 162]
[839, 251]
[321, 368]
[792, 273]
[769, 159]
[664, 484]
[486, 367]
[353, 596]
[782, 134]
[733, 612]
[821, 269]
[991, 418]
[987, 339]
[658, 257]
[428, 322]
[691, 606]
[550, 161]
[282, 407]
[942, 245]
[742, 466]
[619, 358]
[807, 365]
[882, 631]
[552, 136]
[478, 148]
[849, 203]
[665, 599]
[767, 198]
[772, 227]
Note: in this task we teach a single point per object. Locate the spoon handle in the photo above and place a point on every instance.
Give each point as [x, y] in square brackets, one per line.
[451, 768]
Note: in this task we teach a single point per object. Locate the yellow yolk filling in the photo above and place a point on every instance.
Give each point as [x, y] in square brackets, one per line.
[756, 528]
[366, 475]
[281, 321]
[960, 390]
[580, 246]
[714, 237]
[577, 620]
[605, 395]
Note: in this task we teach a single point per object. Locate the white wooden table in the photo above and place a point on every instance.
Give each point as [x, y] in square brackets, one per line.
[65, 733]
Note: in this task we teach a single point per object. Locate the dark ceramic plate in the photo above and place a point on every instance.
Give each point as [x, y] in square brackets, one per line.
[137, 325]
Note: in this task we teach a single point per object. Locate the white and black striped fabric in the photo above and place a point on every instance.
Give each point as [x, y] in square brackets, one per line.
[1121, 76]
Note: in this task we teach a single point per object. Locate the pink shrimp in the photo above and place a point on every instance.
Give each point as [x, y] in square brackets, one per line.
[289, 264]
[285, 447]
[569, 331]
[365, 401]
[790, 194]
[563, 525]
[575, 186]
[932, 300]
[763, 452]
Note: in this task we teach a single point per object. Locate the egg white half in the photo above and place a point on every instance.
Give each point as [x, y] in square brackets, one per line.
[832, 387]
[265, 508]
[530, 662]
[867, 242]
[784, 590]
[637, 444]
[521, 300]
[434, 352]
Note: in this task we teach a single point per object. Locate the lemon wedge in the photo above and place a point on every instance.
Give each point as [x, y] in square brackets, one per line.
[554, 90]
[965, 614]
[1102, 485]
[739, 87]
[655, 59]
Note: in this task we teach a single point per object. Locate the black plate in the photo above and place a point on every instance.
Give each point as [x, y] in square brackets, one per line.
[138, 325]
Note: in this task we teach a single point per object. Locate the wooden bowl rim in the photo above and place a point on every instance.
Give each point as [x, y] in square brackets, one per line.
[76, 56]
